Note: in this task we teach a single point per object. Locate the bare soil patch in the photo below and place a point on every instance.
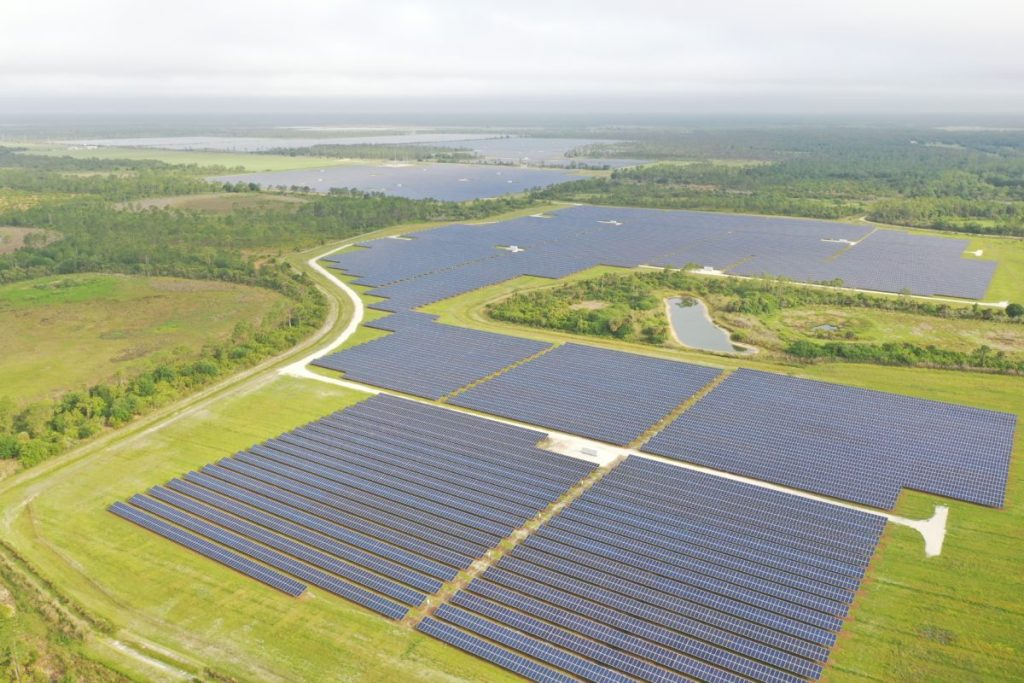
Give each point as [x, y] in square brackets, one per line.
[12, 239]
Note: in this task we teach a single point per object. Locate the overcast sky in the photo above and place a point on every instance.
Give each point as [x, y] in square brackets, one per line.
[824, 55]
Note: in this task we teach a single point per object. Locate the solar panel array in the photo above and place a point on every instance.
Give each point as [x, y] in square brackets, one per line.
[444, 262]
[848, 443]
[424, 358]
[380, 503]
[605, 395]
[890, 261]
[659, 573]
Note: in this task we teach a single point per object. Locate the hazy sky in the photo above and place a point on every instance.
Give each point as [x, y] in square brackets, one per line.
[866, 55]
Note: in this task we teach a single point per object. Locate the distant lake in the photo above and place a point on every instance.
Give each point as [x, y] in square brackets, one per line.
[449, 182]
[693, 327]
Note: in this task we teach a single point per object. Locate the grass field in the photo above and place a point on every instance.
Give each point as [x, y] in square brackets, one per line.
[17, 200]
[877, 326]
[68, 332]
[1008, 282]
[156, 592]
[248, 162]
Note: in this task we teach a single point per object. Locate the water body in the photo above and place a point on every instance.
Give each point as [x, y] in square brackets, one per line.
[694, 328]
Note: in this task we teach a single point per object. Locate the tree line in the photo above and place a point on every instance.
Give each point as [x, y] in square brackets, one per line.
[964, 181]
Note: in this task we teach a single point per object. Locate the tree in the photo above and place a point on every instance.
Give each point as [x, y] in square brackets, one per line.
[1015, 310]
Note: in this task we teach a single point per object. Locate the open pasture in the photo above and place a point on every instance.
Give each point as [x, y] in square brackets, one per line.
[69, 332]
[226, 159]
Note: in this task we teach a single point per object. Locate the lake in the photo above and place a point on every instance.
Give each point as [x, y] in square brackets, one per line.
[693, 327]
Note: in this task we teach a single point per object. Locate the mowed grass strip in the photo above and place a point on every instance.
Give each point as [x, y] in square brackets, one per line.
[246, 161]
[72, 331]
[153, 589]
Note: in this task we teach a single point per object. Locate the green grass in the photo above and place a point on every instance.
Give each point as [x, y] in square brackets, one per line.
[69, 332]
[875, 326]
[154, 590]
[249, 162]
[1008, 282]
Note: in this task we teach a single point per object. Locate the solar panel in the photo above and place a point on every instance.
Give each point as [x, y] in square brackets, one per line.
[430, 359]
[448, 261]
[380, 503]
[210, 550]
[848, 443]
[618, 591]
[592, 392]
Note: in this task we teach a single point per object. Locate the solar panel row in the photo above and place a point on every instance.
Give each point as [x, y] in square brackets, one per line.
[848, 443]
[335, 505]
[429, 359]
[622, 593]
[440, 263]
[604, 395]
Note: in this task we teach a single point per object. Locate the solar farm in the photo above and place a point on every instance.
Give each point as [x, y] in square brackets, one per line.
[703, 522]
[603, 395]
[663, 574]
[379, 504]
[448, 182]
[444, 262]
[842, 442]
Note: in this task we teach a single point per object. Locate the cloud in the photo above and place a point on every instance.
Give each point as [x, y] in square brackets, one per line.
[958, 54]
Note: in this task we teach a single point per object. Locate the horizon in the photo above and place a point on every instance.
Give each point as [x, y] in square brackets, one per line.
[775, 59]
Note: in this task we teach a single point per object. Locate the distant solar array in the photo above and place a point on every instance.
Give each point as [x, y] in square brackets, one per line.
[844, 442]
[427, 359]
[601, 394]
[893, 262]
[663, 574]
[379, 503]
[446, 182]
[447, 261]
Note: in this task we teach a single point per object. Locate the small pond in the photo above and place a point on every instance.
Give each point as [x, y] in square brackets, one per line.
[693, 327]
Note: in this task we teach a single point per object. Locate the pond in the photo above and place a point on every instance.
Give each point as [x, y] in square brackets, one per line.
[693, 327]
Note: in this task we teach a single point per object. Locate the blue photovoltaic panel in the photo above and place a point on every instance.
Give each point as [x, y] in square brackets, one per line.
[444, 262]
[523, 666]
[643, 584]
[210, 550]
[429, 359]
[854, 444]
[379, 503]
[592, 392]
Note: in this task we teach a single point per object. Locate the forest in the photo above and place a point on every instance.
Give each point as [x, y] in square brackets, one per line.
[964, 181]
